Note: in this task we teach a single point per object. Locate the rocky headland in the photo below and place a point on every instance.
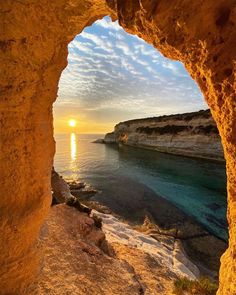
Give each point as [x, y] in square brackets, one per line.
[190, 134]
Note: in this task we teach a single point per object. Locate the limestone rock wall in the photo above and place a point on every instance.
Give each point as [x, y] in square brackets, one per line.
[190, 134]
[34, 35]
[33, 52]
[202, 35]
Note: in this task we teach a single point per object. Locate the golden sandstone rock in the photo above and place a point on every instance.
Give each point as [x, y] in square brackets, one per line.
[34, 35]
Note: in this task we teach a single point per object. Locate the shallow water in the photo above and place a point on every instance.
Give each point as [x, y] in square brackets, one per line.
[198, 187]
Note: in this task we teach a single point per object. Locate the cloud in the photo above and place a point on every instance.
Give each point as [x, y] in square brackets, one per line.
[125, 49]
[80, 46]
[99, 42]
[175, 68]
[110, 69]
[107, 24]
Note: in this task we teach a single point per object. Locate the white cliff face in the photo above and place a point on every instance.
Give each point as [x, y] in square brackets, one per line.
[191, 134]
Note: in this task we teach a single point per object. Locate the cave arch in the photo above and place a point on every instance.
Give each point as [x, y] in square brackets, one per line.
[34, 38]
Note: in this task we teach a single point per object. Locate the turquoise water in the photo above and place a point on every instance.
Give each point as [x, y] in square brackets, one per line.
[198, 187]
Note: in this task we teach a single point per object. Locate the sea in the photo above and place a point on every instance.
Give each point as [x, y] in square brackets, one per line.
[196, 186]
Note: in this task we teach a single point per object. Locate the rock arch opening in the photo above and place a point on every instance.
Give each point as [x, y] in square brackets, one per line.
[106, 51]
[113, 76]
[34, 49]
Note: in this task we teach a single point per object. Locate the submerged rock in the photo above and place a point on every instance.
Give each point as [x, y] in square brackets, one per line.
[74, 185]
[100, 140]
[84, 194]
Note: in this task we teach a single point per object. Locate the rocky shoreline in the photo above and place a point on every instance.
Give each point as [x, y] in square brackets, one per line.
[190, 134]
[82, 246]
[155, 218]
[80, 258]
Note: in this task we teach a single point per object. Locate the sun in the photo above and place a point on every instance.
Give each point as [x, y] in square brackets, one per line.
[72, 123]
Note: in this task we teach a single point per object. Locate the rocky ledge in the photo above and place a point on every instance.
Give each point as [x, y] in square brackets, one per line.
[190, 134]
[152, 217]
[143, 210]
[80, 259]
[82, 247]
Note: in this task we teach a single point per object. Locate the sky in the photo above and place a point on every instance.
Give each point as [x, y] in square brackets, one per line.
[113, 76]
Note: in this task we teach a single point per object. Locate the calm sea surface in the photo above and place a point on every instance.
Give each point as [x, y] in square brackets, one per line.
[198, 187]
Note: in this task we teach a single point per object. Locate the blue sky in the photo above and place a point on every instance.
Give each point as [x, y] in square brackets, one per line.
[113, 76]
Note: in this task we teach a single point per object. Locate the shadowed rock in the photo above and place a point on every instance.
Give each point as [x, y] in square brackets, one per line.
[61, 193]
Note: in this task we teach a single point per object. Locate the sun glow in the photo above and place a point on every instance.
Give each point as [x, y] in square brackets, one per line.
[73, 146]
[72, 123]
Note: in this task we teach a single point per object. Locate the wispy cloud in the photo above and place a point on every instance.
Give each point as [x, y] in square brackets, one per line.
[107, 24]
[110, 69]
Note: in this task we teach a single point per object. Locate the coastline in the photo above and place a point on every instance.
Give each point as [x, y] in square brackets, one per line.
[133, 245]
[159, 150]
[118, 258]
[180, 153]
[192, 135]
[158, 218]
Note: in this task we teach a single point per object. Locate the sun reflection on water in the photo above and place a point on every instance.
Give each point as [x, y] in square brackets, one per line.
[73, 146]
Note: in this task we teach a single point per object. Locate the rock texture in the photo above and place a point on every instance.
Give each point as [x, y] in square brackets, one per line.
[61, 193]
[190, 134]
[133, 263]
[144, 210]
[33, 52]
[33, 42]
[110, 138]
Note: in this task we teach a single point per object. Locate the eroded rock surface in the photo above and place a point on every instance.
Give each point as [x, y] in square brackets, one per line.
[190, 134]
[74, 262]
[34, 36]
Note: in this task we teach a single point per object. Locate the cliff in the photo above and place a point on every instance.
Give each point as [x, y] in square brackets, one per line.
[190, 134]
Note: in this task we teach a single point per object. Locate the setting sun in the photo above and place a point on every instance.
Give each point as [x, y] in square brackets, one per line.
[72, 123]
